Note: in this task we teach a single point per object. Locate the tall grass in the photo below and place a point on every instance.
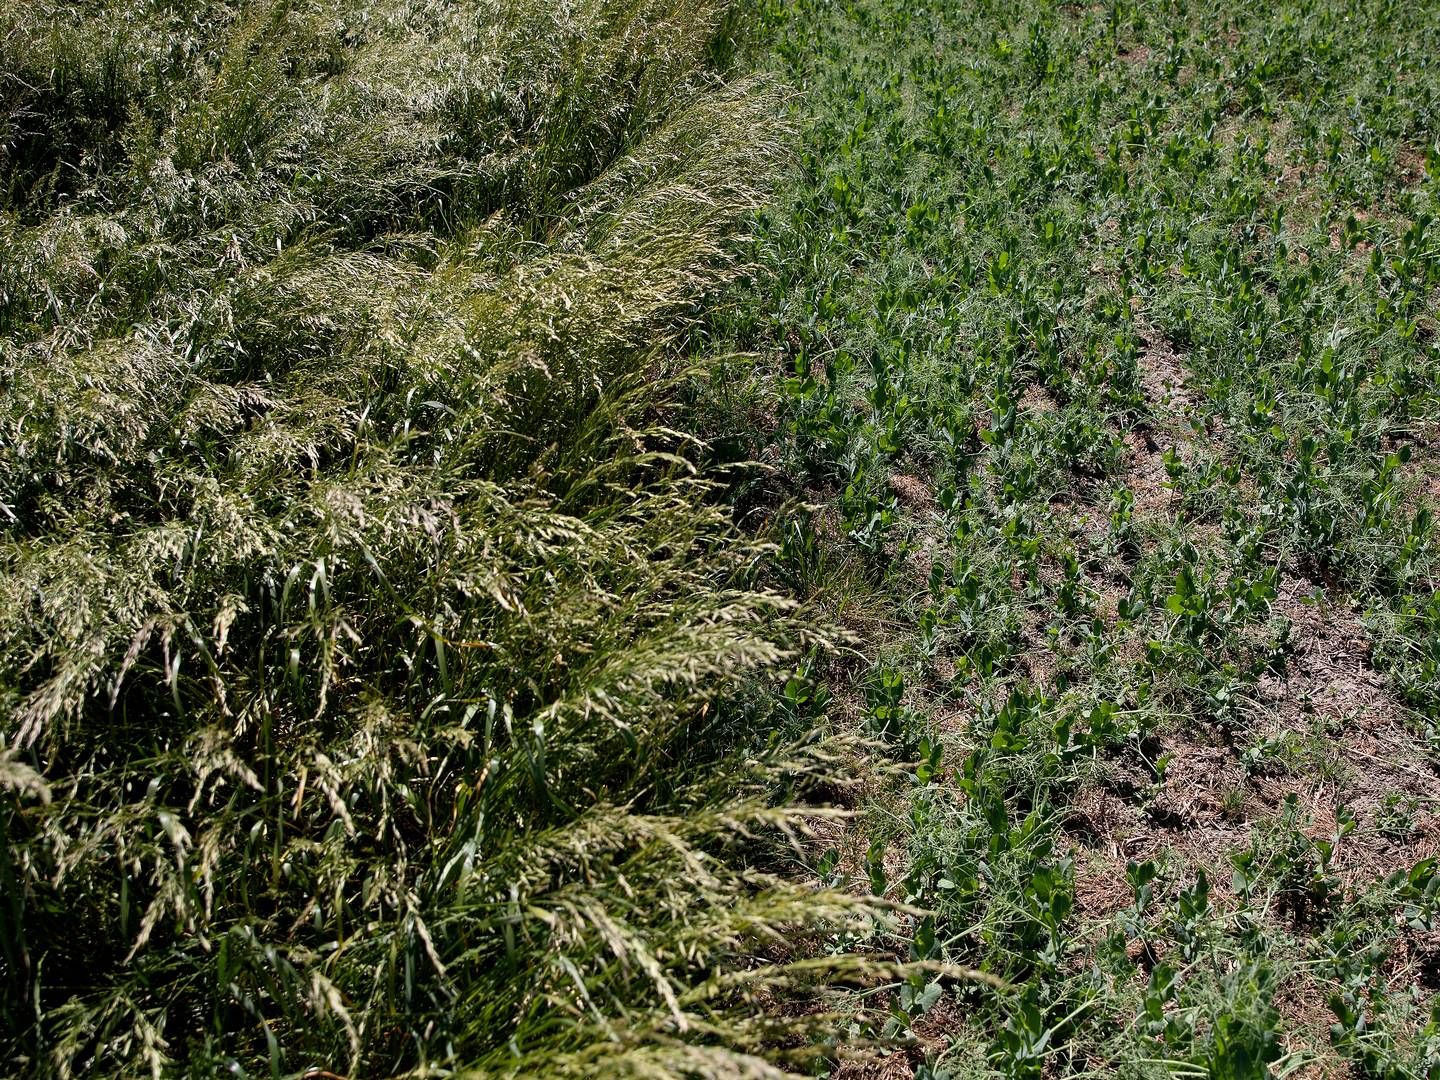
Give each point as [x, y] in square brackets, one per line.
[365, 631]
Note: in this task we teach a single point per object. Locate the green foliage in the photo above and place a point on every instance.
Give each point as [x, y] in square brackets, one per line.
[1101, 344]
[373, 651]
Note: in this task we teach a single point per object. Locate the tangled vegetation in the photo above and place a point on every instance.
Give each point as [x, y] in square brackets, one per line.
[1101, 342]
[374, 650]
[445, 442]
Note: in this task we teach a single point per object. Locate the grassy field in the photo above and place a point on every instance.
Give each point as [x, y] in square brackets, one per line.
[882, 538]
[1099, 376]
[382, 677]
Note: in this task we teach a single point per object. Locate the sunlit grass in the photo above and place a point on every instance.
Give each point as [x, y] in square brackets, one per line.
[371, 649]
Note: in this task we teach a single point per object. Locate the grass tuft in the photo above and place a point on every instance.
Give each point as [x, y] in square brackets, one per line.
[370, 641]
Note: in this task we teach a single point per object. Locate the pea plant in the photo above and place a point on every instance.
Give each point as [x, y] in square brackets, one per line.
[1109, 348]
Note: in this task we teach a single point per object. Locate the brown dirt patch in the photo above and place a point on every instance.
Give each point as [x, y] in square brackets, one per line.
[929, 1035]
[1170, 400]
[1414, 960]
[1146, 477]
[1301, 1002]
[1331, 735]
[897, 1066]
[912, 492]
[1037, 399]
[1100, 885]
[1164, 380]
[1410, 163]
[1204, 787]
[1358, 750]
